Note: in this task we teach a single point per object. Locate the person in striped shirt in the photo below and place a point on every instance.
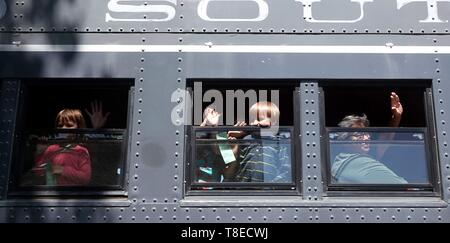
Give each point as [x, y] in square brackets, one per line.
[267, 159]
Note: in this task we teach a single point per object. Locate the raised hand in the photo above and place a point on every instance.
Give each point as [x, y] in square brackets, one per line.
[211, 117]
[396, 106]
[98, 120]
[396, 109]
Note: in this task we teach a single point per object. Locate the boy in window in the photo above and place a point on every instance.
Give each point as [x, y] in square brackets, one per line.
[265, 159]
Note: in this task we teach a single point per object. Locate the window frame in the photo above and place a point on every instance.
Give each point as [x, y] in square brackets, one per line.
[236, 185]
[373, 187]
[296, 163]
[120, 190]
[375, 190]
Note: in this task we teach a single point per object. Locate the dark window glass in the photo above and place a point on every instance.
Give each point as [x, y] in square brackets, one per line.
[60, 148]
[374, 101]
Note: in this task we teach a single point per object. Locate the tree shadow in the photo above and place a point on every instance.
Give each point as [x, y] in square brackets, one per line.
[20, 24]
[16, 30]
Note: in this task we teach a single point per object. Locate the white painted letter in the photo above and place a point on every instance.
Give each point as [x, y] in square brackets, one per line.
[202, 10]
[136, 6]
[218, 102]
[2, 8]
[198, 102]
[181, 113]
[431, 6]
[273, 129]
[240, 98]
[307, 12]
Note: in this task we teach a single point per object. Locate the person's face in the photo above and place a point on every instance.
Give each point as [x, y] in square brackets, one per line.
[262, 120]
[361, 136]
[68, 125]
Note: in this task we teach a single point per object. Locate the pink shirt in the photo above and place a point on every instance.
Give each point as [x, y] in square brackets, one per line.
[75, 160]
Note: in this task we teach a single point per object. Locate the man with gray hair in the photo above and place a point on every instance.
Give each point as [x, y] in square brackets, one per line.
[354, 120]
[355, 165]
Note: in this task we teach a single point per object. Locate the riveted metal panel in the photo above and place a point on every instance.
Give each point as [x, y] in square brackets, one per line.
[85, 65]
[9, 99]
[440, 89]
[212, 40]
[307, 66]
[157, 157]
[159, 154]
[321, 66]
[310, 132]
[212, 16]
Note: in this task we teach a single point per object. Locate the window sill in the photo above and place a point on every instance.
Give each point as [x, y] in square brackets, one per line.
[235, 201]
[411, 202]
[294, 201]
[55, 202]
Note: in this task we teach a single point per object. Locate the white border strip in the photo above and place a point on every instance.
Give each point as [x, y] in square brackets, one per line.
[210, 48]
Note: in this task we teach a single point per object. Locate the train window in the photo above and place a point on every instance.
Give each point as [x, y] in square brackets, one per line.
[243, 138]
[72, 136]
[390, 152]
[357, 157]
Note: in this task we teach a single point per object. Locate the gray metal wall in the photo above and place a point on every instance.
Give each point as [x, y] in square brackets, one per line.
[267, 16]
[282, 46]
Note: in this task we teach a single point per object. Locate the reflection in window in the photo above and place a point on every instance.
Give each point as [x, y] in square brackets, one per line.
[73, 158]
[363, 157]
[257, 157]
